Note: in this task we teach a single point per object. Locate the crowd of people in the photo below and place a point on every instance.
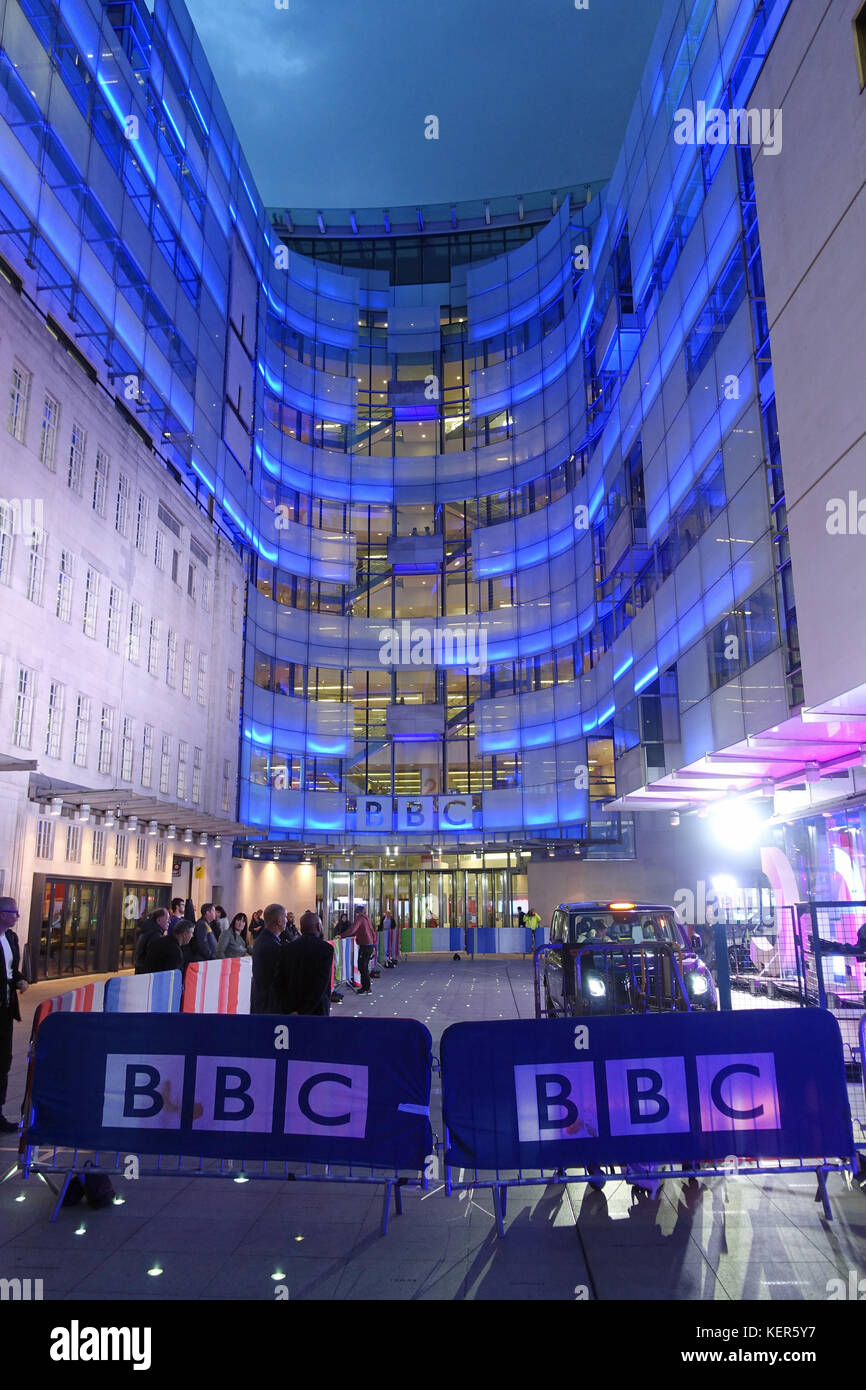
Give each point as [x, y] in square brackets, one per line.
[292, 963]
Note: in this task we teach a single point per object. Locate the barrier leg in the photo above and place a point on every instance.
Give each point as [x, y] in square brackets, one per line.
[823, 1194]
[393, 1185]
[62, 1193]
[499, 1207]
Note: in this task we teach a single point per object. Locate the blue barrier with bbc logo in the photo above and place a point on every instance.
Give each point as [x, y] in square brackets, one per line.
[657, 1089]
[310, 1090]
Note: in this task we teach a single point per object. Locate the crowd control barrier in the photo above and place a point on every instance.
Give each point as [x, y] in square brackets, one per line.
[260, 1094]
[475, 941]
[218, 986]
[346, 953]
[389, 944]
[144, 994]
[753, 1091]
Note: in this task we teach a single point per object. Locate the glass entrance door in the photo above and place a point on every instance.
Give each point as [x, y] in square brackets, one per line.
[72, 915]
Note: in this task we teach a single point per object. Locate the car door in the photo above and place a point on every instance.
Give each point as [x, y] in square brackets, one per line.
[554, 962]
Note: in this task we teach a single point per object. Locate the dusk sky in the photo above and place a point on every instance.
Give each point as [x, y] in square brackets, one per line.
[329, 97]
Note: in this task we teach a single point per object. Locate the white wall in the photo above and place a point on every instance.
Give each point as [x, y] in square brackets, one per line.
[252, 884]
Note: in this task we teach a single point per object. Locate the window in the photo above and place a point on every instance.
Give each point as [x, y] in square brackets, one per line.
[141, 851]
[159, 549]
[45, 839]
[75, 474]
[73, 842]
[98, 850]
[48, 437]
[175, 565]
[182, 760]
[148, 756]
[65, 574]
[91, 601]
[168, 519]
[201, 692]
[159, 858]
[121, 506]
[230, 694]
[100, 481]
[120, 851]
[205, 592]
[7, 542]
[186, 677]
[115, 615]
[235, 607]
[133, 645]
[165, 764]
[141, 523]
[153, 646]
[54, 727]
[19, 395]
[127, 748]
[192, 582]
[196, 775]
[106, 740]
[171, 659]
[24, 708]
[860, 44]
[82, 730]
[36, 568]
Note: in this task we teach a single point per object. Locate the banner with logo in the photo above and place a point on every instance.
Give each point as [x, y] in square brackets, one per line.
[318, 1090]
[661, 1088]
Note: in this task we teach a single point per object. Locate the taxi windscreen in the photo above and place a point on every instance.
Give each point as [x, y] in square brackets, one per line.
[623, 926]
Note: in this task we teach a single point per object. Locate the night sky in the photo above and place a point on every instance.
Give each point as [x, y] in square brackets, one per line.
[329, 97]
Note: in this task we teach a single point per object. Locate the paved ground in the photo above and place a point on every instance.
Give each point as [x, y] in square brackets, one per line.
[216, 1239]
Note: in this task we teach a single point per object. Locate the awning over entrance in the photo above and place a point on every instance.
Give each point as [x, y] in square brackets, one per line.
[123, 803]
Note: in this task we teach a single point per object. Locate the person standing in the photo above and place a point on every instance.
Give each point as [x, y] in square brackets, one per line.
[256, 926]
[12, 983]
[156, 925]
[388, 925]
[231, 942]
[291, 932]
[204, 943]
[266, 955]
[365, 936]
[165, 949]
[176, 911]
[302, 979]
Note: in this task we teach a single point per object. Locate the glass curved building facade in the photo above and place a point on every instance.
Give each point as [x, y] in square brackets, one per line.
[506, 477]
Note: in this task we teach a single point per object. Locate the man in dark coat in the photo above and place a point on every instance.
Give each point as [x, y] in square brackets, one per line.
[12, 983]
[302, 979]
[204, 943]
[267, 950]
[165, 952]
[156, 925]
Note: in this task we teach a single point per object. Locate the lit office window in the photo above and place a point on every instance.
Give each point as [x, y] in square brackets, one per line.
[100, 481]
[54, 727]
[120, 851]
[19, 395]
[115, 618]
[48, 436]
[45, 839]
[73, 842]
[98, 847]
[147, 756]
[133, 646]
[36, 568]
[106, 740]
[23, 708]
[159, 857]
[91, 601]
[82, 731]
[182, 760]
[127, 748]
[65, 576]
[142, 851]
[142, 523]
[121, 506]
[77, 446]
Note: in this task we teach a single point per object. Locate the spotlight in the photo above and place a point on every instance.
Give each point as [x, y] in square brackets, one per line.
[202, 839]
[110, 820]
[675, 819]
[171, 832]
[84, 812]
[132, 823]
[187, 837]
[736, 825]
[153, 827]
[56, 806]
[217, 842]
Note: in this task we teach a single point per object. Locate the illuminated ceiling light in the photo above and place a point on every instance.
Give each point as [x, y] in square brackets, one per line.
[109, 820]
[217, 841]
[171, 832]
[278, 1274]
[153, 827]
[242, 1177]
[736, 825]
[84, 812]
[132, 823]
[56, 805]
[675, 819]
[155, 1270]
[202, 839]
[187, 837]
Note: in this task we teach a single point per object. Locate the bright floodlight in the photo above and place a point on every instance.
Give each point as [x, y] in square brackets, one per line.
[735, 825]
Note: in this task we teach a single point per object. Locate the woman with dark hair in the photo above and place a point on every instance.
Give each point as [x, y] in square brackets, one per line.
[257, 922]
[231, 942]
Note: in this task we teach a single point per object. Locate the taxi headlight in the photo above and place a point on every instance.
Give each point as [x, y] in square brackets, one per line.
[596, 987]
[699, 983]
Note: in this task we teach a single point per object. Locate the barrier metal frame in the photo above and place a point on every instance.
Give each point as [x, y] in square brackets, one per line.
[662, 950]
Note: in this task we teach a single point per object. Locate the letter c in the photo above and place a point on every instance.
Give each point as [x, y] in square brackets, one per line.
[721, 1104]
[305, 1104]
[446, 812]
